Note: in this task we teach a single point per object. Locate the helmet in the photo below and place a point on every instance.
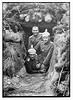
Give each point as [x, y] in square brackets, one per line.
[32, 50]
[46, 33]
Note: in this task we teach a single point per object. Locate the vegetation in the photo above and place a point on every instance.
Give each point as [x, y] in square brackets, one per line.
[54, 16]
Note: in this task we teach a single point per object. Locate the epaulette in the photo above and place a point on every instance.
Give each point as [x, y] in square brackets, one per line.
[31, 37]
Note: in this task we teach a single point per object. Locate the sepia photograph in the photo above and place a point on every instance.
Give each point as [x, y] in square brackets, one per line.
[35, 49]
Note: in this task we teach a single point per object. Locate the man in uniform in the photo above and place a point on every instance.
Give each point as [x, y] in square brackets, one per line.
[32, 64]
[35, 38]
[46, 49]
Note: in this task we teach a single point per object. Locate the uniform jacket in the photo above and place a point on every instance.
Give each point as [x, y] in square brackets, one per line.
[31, 65]
[46, 51]
[34, 40]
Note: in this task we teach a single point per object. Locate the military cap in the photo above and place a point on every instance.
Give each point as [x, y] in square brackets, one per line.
[46, 33]
[32, 50]
[35, 27]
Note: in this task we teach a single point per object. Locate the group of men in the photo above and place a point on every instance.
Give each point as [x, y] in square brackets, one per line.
[40, 50]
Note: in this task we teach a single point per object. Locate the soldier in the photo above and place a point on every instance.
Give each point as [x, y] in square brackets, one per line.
[35, 38]
[46, 49]
[32, 64]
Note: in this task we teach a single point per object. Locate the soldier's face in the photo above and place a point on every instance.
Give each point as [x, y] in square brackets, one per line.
[46, 39]
[35, 31]
[32, 56]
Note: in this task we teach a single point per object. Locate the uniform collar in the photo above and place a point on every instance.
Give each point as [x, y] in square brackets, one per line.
[37, 35]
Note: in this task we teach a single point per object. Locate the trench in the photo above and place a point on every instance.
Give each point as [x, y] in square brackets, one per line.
[28, 84]
[24, 84]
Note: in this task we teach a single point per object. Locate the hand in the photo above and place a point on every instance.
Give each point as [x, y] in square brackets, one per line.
[42, 66]
[38, 65]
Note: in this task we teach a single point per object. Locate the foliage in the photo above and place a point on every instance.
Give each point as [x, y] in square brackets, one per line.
[12, 12]
[14, 50]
